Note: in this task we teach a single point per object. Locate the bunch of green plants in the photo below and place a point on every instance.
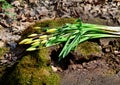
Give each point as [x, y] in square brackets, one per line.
[5, 4]
[70, 34]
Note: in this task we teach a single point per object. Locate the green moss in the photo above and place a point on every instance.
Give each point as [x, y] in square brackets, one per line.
[32, 69]
[53, 23]
[3, 51]
[45, 76]
[44, 57]
[50, 23]
[88, 48]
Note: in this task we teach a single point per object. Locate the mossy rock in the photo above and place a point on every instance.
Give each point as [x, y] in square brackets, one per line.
[51, 23]
[47, 23]
[32, 69]
[88, 50]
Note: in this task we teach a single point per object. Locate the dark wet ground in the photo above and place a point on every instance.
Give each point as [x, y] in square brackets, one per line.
[95, 72]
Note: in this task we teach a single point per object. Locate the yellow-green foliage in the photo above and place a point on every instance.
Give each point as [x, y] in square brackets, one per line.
[88, 48]
[33, 69]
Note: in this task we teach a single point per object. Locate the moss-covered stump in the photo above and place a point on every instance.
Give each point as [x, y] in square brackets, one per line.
[32, 69]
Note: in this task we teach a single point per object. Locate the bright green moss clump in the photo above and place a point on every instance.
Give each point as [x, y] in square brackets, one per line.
[86, 49]
[33, 69]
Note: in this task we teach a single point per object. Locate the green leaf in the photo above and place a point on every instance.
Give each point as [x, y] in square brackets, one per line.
[72, 44]
[64, 52]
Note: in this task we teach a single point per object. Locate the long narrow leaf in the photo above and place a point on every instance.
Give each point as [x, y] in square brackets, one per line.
[62, 53]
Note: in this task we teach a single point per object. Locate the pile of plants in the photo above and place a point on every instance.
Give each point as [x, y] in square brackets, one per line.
[70, 35]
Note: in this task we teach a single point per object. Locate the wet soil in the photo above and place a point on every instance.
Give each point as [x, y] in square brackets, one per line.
[95, 72]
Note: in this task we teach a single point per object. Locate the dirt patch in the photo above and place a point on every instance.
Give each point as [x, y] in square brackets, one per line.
[95, 72]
